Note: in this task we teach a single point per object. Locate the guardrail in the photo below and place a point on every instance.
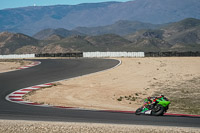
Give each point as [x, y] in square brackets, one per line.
[172, 54]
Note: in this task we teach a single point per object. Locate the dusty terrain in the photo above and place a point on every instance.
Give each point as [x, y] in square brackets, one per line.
[125, 87]
[8, 126]
[11, 64]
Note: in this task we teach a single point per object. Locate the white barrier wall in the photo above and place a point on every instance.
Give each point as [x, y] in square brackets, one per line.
[113, 54]
[85, 54]
[14, 56]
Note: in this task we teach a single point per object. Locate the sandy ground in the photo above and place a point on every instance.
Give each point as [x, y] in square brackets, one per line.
[9, 65]
[8, 126]
[122, 88]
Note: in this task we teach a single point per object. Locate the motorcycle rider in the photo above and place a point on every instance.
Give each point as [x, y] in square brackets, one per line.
[150, 101]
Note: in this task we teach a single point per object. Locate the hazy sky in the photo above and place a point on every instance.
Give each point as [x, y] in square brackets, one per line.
[22, 3]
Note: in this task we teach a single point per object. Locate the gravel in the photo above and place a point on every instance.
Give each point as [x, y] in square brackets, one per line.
[21, 126]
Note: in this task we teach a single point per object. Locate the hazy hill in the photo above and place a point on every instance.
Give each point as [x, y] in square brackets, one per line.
[9, 42]
[60, 32]
[121, 27]
[107, 42]
[29, 20]
[142, 34]
[183, 35]
[183, 25]
[54, 37]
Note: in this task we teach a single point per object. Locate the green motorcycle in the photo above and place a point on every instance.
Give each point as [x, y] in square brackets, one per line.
[154, 106]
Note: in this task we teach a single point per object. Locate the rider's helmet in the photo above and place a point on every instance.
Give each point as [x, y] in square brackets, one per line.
[161, 95]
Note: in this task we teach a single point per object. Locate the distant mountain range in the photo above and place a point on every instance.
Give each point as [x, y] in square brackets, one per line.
[122, 27]
[30, 20]
[178, 36]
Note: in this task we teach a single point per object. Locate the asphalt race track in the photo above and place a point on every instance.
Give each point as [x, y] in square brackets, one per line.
[54, 70]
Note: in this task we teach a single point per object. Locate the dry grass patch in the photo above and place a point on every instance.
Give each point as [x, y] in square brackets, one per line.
[184, 95]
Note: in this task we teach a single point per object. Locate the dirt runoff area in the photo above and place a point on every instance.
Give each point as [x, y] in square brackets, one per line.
[126, 86]
[15, 126]
[12, 64]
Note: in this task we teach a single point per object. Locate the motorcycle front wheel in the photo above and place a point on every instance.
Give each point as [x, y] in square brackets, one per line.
[138, 111]
[158, 110]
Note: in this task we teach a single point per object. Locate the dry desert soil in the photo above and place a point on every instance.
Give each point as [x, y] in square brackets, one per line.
[11, 64]
[126, 86]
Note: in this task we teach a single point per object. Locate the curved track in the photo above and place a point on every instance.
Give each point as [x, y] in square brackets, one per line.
[53, 70]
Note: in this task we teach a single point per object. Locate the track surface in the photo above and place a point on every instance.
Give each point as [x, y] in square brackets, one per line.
[53, 70]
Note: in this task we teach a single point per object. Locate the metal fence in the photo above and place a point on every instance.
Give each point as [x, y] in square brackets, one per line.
[171, 54]
[78, 54]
